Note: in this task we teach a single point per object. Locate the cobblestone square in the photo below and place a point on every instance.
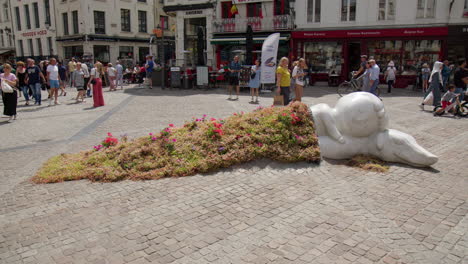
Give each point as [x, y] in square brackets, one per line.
[260, 212]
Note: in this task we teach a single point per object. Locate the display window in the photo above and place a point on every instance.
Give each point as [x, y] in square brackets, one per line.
[385, 51]
[418, 52]
[324, 57]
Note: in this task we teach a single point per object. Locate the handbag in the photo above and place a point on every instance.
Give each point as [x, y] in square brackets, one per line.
[6, 88]
[93, 81]
[278, 99]
[252, 75]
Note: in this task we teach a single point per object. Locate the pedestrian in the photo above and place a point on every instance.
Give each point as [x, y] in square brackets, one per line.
[63, 77]
[435, 85]
[79, 82]
[390, 76]
[446, 71]
[425, 73]
[21, 74]
[33, 79]
[45, 85]
[374, 73]
[71, 68]
[283, 79]
[298, 74]
[10, 99]
[120, 72]
[458, 79]
[96, 74]
[234, 71]
[149, 66]
[86, 69]
[53, 80]
[254, 82]
[112, 73]
[365, 78]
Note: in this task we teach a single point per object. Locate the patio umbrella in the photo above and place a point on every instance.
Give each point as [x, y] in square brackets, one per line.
[200, 47]
[249, 45]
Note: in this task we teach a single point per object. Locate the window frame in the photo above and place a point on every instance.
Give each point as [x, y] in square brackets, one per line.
[66, 30]
[51, 46]
[256, 8]
[21, 47]
[47, 13]
[279, 8]
[425, 9]
[123, 21]
[37, 22]
[27, 15]
[18, 18]
[313, 14]
[99, 28]
[39, 45]
[142, 23]
[387, 10]
[75, 22]
[31, 47]
[348, 10]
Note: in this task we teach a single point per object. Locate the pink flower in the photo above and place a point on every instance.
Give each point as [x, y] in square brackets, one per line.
[260, 144]
[171, 125]
[150, 134]
[174, 140]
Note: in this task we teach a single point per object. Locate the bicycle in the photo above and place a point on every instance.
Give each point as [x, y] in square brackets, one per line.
[456, 108]
[353, 85]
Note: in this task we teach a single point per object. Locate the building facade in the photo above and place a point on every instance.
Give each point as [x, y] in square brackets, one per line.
[190, 16]
[34, 28]
[7, 46]
[332, 34]
[108, 30]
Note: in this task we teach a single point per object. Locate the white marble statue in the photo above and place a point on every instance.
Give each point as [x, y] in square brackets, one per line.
[359, 125]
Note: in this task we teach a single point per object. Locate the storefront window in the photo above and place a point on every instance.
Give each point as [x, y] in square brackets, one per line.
[385, 51]
[426, 9]
[73, 51]
[125, 52]
[142, 52]
[101, 53]
[348, 10]
[323, 57]
[418, 52]
[386, 9]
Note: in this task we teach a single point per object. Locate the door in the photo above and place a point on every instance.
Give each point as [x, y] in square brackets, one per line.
[354, 57]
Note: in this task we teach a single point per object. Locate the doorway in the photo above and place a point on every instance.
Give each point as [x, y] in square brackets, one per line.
[354, 57]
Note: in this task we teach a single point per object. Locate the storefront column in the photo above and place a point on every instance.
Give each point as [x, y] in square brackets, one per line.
[180, 56]
[113, 52]
[345, 64]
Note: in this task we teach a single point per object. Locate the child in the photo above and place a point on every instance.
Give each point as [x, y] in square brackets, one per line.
[446, 99]
[79, 83]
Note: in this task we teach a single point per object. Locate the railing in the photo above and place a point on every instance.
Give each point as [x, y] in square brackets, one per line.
[275, 23]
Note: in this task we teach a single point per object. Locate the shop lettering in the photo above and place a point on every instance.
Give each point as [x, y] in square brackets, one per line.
[315, 34]
[195, 12]
[364, 33]
[413, 32]
[34, 33]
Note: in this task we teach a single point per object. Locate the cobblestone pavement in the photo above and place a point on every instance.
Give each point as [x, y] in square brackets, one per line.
[261, 212]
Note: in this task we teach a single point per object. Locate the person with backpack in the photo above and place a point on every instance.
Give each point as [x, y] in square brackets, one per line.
[436, 84]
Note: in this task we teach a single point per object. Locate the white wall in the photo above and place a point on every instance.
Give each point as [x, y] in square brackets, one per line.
[367, 15]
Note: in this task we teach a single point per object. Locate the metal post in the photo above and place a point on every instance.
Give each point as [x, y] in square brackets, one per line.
[163, 61]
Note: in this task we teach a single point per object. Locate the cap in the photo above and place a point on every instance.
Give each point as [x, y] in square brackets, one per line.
[364, 56]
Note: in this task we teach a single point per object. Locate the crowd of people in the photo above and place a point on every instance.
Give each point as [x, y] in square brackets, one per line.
[30, 80]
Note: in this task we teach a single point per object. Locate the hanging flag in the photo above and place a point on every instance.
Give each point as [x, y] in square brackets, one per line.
[234, 10]
[269, 53]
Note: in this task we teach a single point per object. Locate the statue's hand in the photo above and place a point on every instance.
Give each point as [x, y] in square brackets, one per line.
[341, 140]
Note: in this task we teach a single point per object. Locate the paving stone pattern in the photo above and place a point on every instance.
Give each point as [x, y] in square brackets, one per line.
[261, 212]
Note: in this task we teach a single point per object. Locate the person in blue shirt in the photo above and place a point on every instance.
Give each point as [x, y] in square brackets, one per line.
[149, 66]
[33, 79]
[446, 71]
[234, 71]
[63, 76]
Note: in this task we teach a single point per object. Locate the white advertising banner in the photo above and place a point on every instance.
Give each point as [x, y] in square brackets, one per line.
[248, 1]
[269, 53]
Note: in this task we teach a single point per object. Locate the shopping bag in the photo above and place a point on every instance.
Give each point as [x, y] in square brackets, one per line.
[429, 99]
[278, 100]
[6, 88]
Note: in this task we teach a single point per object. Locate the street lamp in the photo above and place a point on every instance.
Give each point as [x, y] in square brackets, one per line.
[160, 34]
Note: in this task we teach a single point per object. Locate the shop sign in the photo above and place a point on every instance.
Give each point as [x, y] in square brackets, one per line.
[248, 1]
[458, 30]
[194, 12]
[394, 32]
[34, 33]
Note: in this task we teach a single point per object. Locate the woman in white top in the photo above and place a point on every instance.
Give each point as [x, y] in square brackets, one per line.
[112, 73]
[254, 82]
[390, 75]
[298, 74]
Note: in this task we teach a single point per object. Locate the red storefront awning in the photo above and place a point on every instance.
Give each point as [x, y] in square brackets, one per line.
[372, 33]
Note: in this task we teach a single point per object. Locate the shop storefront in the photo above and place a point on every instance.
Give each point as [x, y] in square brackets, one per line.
[338, 52]
[457, 48]
[226, 47]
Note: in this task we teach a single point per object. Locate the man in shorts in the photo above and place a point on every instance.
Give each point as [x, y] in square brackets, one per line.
[234, 70]
[53, 79]
[149, 66]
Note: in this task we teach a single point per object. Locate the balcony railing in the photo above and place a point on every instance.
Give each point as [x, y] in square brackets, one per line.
[275, 23]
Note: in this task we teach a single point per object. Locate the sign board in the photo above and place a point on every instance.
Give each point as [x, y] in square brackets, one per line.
[373, 33]
[34, 33]
[269, 53]
[202, 75]
[194, 12]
